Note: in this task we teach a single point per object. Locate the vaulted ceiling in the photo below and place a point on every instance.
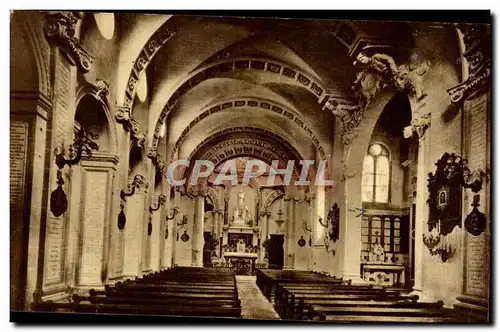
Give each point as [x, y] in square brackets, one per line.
[215, 73]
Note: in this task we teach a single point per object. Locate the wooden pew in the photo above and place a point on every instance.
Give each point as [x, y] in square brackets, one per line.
[291, 303]
[267, 280]
[177, 292]
[174, 310]
[174, 288]
[203, 302]
[317, 312]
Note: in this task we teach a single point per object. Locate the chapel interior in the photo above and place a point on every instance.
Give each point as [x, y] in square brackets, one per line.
[394, 116]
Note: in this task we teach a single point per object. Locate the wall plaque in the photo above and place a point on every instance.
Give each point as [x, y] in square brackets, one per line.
[476, 265]
[18, 161]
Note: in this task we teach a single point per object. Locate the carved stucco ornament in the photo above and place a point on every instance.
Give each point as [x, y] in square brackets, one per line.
[418, 125]
[350, 115]
[101, 89]
[378, 72]
[123, 117]
[59, 30]
[157, 160]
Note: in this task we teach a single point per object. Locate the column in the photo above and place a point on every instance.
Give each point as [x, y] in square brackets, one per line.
[173, 230]
[198, 223]
[134, 233]
[289, 235]
[264, 222]
[218, 227]
[420, 212]
[351, 232]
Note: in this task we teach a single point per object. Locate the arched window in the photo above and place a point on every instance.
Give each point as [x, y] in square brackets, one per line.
[376, 175]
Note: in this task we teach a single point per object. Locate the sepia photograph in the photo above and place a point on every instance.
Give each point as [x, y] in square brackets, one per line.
[217, 167]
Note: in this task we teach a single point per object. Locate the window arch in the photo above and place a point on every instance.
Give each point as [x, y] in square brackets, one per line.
[376, 175]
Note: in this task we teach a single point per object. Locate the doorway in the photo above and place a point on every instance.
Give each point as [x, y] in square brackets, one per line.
[207, 249]
[276, 253]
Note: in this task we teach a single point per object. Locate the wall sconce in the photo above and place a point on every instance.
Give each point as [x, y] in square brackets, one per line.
[183, 222]
[161, 200]
[82, 142]
[170, 217]
[138, 181]
[307, 227]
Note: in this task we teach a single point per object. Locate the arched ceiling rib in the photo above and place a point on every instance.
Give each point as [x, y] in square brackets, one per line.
[234, 108]
[263, 72]
[252, 117]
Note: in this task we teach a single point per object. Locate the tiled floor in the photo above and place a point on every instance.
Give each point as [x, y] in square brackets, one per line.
[253, 304]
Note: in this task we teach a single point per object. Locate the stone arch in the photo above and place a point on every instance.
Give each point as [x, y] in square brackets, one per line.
[270, 106]
[38, 47]
[354, 155]
[228, 65]
[273, 197]
[99, 91]
[270, 147]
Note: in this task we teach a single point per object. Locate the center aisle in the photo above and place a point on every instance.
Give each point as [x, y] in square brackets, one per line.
[253, 304]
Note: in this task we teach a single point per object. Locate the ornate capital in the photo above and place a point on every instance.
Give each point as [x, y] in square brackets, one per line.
[477, 52]
[139, 140]
[123, 116]
[59, 30]
[157, 159]
[101, 89]
[418, 125]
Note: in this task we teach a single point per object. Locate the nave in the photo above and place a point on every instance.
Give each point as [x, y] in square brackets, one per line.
[177, 157]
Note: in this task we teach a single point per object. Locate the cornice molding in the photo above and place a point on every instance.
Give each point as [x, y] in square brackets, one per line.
[477, 52]
[59, 30]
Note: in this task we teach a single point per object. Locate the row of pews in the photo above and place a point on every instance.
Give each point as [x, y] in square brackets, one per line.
[181, 291]
[306, 295]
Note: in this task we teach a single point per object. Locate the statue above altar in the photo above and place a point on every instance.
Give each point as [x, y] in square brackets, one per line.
[242, 215]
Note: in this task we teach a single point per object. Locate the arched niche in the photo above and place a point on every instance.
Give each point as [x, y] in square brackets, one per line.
[93, 184]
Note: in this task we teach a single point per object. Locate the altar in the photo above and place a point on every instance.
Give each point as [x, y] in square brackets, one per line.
[243, 263]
